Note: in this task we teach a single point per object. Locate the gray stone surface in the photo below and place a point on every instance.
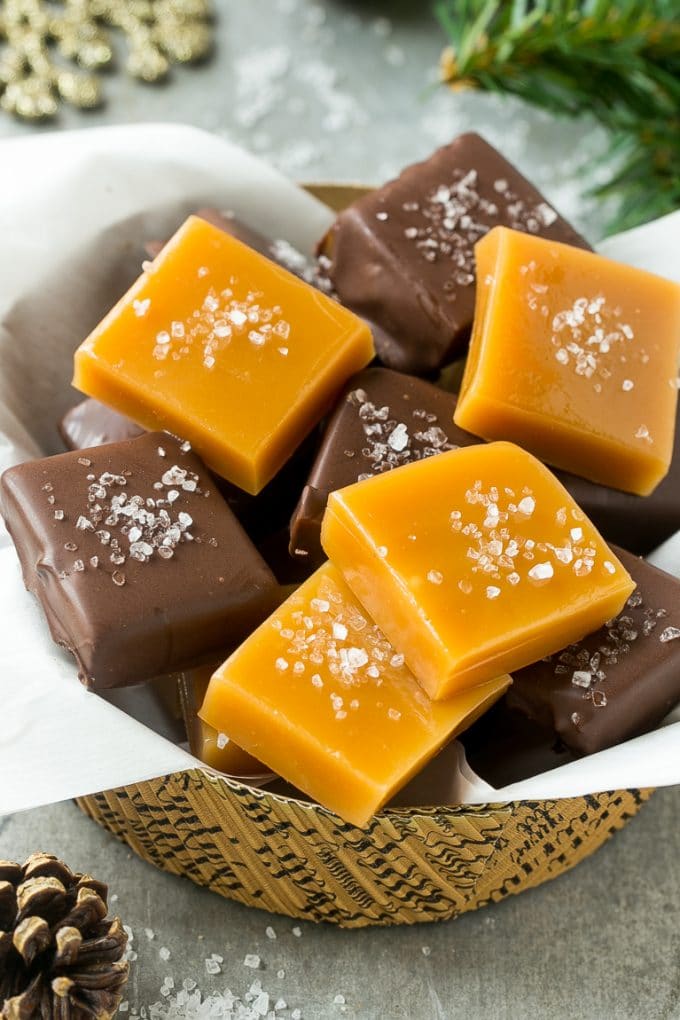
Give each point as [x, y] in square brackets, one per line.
[600, 942]
[343, 91]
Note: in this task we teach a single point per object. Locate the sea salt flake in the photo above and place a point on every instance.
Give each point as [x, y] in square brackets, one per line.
[527, 505]
[398, 439]
[357, 657]
[270, 933]
[222, 741]
[669, 634]
[252, 960]
[492, 592]
[435, 576]
[581, 678]
[164, 953]
[339, 631]
[281, 664]
[394, 714]
[141, 307]
[541, 572]
[339, 1000]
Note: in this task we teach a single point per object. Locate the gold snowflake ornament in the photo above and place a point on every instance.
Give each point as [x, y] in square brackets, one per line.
[51, 52]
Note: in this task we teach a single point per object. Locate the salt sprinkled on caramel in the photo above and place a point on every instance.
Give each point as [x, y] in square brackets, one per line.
[330, 633]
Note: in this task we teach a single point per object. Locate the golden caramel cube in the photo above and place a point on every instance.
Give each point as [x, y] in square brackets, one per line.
[574, 357]
[205, 742]
[219, 345]
[320, 695]
[474, 563]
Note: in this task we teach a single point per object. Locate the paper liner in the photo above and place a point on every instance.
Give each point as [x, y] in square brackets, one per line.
[66, 234]
[410, 865]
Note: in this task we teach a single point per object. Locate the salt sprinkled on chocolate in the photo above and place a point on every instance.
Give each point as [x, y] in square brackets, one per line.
[391, 443]
[454, 216]
[130, 525]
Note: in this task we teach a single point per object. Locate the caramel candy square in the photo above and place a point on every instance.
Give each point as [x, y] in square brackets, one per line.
[139, 566]
[575, 358]
[213, 748]
[382, 420]
[619, 681]
[403, 255]
[320, 695]
[473, 563]
[216, 343]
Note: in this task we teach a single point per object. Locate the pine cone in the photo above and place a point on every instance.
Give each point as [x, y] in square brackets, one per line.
[60, 956]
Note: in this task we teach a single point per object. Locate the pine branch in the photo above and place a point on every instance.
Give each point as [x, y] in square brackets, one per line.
[617, 61]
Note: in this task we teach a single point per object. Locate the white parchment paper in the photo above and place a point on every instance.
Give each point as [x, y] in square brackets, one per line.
[73, 208]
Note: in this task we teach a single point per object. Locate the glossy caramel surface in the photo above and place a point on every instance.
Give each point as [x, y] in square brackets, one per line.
[473, 562]
[320, 695]
[219, 345]
[574, 357]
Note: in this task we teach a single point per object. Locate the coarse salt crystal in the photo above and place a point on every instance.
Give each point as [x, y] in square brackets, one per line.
[141, 307]
[270, 933]
[581, 678]
[164, 953]
[492, 592]
[339, 631]
[541, 572]
[297, 931]
[394, 714]
[669, 634]
[252, 960]
[527, 505]
[398, 439]
[222, 741]
[281, 664]
[435, 576]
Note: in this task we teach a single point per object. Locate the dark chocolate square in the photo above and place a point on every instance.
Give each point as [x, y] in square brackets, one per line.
[139, 565]
[505, 746]
[382, 420]
[403, 256]
[618, 682]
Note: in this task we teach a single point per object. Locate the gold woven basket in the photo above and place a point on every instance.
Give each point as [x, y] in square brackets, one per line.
[295, 858]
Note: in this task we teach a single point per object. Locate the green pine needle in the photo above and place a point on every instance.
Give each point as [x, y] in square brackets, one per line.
[617, 61]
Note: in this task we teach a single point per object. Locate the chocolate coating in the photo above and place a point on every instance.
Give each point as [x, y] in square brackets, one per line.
[133, 604]
[620, 681]
[505, 747]
[91, 423]
[403, 256]
[382, 420]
